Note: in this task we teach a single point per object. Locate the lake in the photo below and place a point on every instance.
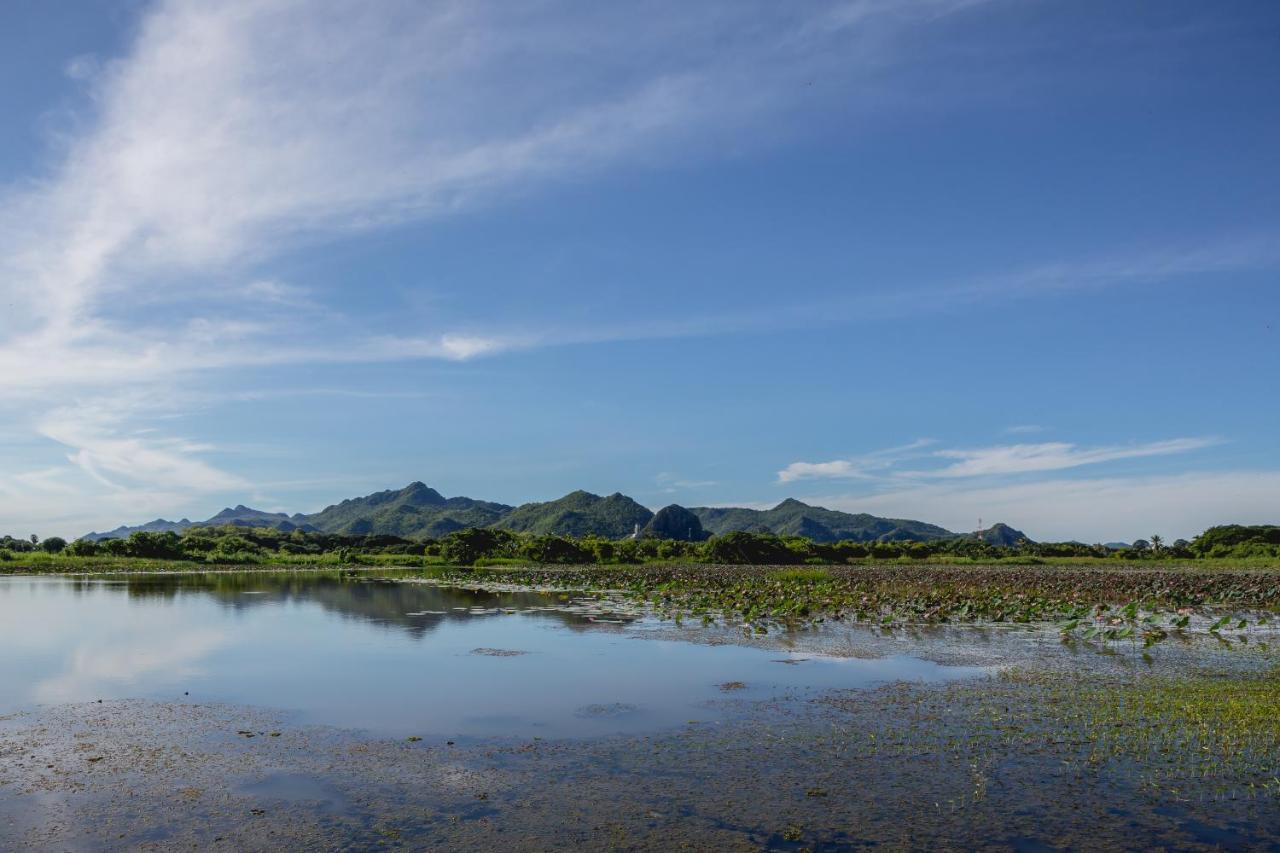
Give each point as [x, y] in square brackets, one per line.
[338, 710]
[391, 657]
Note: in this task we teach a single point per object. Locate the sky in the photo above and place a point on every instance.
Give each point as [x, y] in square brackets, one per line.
[1008, 260]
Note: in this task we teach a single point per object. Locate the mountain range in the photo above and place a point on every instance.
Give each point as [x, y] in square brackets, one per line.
[419, 511]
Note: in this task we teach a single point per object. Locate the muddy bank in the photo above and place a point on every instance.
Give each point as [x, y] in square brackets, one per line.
[1017, 761]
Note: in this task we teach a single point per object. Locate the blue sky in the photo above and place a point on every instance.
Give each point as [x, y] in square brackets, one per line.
[940, 259]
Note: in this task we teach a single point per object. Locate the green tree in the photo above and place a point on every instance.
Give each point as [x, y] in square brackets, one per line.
[54, 544]
[761, 549]
[83, 548]
[464, 547]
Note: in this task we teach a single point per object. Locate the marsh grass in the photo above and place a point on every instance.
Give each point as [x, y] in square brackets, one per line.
[1118, 604]
[1207, 733]
[810, 575]
[1090, 602]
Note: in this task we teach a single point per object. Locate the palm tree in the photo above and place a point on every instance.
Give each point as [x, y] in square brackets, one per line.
[1156, 542]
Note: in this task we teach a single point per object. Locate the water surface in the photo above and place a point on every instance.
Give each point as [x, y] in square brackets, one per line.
[394, 658]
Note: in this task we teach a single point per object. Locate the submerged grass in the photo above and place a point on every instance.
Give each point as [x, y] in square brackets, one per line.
[1202, 734]
[1121, 602]
[1105, 602]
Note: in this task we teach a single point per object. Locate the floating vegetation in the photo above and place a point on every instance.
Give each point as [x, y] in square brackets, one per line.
[498, 653]
[1130, 622]
[1149, 603]
[1218, 733]
[610, 709]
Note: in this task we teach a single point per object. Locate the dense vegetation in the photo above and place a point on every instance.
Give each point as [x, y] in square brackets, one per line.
[794, 518]
[232, 544]
[418, 511]
[579, 514]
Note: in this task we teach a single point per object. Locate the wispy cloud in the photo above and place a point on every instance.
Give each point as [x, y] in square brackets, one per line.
[1095, 509]
[230, 133]
[1051, 456]
[999, 460]
[864, 467]
[1252, 252]
[672, 483]
[133, 459]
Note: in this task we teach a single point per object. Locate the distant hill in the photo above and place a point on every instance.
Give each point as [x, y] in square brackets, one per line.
[579, 514]
[243, 516]
[160, 525]
[1001, 534]
[794, 518]
[674, 522]
[239, 516]
[419, 511]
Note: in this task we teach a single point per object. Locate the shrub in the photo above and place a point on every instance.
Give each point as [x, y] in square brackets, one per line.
[554, 549]
[54, 544]
[83, 548]
[760, 549]
[464, 547]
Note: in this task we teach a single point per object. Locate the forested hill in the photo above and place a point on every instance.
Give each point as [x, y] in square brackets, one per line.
[793, 518]
[416, 510]
[579, 514]
[419, 511]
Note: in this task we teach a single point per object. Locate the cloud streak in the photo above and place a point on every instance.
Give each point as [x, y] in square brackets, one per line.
[229, 134]
[999, 460]
[232, 132]
[1051, 456]
[868, 466]
[1097, 509]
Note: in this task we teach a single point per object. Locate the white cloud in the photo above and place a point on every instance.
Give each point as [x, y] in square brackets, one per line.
[137, 460]
[1050, 456]
[230, 132]
[672, 483]
[982, 462]
[141, 654]
[277, 293]
[865, 467]
[836, 468]
[1089, 509]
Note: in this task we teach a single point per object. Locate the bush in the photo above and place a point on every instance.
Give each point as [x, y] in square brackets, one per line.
[232, 558]
[82, 548]
[464, 547]
[554, 549]
[156, 546]
[759, 549]
[113, 547]
[54, 544]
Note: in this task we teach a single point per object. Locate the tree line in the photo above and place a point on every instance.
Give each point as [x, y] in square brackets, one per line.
[233, 545]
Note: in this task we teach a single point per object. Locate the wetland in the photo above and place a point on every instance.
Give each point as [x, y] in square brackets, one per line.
[532, 709]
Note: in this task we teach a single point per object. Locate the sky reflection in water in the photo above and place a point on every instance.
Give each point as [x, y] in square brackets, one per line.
[392, 658]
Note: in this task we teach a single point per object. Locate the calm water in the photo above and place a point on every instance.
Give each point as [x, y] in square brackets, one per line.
[389, 657]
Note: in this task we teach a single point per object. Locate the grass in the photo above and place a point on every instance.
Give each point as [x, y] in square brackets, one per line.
[919, 593]
[1089, 599]
[799, 575]
[1208, 732]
